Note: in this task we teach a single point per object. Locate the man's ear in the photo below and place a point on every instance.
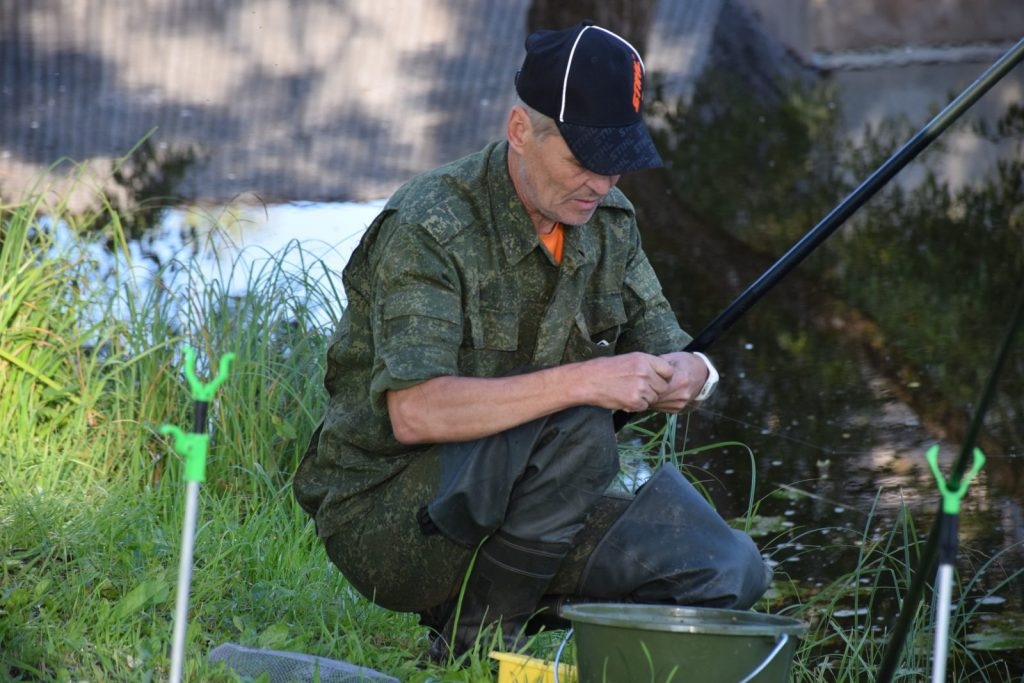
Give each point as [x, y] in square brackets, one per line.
[519, 128]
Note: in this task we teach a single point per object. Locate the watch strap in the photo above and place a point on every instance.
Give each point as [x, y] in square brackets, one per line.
[712, 381]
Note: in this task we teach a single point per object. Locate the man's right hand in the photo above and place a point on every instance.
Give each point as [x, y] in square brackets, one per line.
[632, 381]
[445, 409]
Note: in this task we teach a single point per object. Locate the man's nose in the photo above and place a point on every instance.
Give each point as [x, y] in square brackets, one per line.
[602, 184]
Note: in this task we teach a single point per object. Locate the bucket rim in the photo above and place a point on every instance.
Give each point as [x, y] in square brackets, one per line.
[677, 619]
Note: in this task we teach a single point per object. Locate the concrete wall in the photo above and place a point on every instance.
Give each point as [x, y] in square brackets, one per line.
[833, 26]
[908, 58]
[344, 99]
[320, 99]
[313, 100]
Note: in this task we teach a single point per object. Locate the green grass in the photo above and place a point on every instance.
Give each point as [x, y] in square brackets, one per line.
[91, 493]
[846, 640]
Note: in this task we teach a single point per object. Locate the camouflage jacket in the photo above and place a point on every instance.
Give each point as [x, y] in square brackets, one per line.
[451, 279]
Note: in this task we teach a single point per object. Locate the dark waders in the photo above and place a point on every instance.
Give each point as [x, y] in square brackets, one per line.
[533, 501]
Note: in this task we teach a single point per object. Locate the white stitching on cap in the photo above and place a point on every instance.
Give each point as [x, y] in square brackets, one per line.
[628, 44]
[565, 79]
[572, 52]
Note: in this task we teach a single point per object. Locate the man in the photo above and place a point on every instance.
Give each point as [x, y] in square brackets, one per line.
[500, 308]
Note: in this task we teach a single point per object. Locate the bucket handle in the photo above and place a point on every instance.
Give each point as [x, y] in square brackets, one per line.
[561, 648]
[767, 660]
[746, 679]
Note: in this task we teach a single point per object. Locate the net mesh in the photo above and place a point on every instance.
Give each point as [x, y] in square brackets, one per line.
[292, 667]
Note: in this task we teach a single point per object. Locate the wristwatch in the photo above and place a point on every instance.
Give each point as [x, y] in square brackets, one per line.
[712, 381]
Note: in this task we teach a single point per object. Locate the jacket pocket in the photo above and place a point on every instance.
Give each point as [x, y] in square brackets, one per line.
[597, 328]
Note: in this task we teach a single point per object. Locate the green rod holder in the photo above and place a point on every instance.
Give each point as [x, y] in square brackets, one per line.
[193, 446]
[952, 491]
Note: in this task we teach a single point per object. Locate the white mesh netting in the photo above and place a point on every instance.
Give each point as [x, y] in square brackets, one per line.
[292, 667]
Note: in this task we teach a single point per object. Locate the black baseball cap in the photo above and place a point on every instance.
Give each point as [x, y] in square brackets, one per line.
[591, 82]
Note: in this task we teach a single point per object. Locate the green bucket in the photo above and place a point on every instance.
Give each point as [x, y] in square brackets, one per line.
[627, 643]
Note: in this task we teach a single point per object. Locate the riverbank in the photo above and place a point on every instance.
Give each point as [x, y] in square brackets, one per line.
[92, 502]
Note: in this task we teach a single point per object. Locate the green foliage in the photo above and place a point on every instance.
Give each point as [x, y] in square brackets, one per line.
[144, 184]
[762, 169]
[958, 258]
[90, 494]
[86, 350]
[846, 641]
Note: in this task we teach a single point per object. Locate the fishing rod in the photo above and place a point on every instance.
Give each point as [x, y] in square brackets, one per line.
[939, 533]
[867, 189]
[846, 208]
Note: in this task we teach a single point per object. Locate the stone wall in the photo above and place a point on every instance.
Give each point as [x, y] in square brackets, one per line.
[322, 100]
[835, 26]
[334, 100]
[908, 58]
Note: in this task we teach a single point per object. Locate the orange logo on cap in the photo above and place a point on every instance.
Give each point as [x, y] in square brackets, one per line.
[638, 84]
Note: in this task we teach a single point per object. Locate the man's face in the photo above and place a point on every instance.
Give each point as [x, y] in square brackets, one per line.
[553, 186]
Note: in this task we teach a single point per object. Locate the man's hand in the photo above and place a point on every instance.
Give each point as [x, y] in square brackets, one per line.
[460, 408]
[688, 377]
[633, 381]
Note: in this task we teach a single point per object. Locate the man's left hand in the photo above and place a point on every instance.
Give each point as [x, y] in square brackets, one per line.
[688, 379]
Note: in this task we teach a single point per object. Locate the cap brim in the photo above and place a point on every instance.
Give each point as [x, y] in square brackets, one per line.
[611, 150]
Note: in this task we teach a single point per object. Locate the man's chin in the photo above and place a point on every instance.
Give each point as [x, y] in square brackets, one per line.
[578, 217]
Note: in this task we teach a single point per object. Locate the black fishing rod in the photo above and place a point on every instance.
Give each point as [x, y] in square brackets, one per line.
[867, 189]
[939, 528]
[817, 235]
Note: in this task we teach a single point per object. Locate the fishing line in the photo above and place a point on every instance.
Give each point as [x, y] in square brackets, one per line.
[765, 432]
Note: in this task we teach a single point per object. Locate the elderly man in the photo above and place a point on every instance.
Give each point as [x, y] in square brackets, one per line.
[500, 308]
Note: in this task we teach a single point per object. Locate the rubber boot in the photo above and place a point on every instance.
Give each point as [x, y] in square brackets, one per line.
[508, 579]
[670, 546]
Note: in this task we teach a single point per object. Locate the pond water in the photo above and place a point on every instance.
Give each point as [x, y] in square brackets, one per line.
[837, 460]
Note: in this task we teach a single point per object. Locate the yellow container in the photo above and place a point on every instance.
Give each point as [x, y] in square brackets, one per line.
[516, 668]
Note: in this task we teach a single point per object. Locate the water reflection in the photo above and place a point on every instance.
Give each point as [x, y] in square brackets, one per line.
[836, 456]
